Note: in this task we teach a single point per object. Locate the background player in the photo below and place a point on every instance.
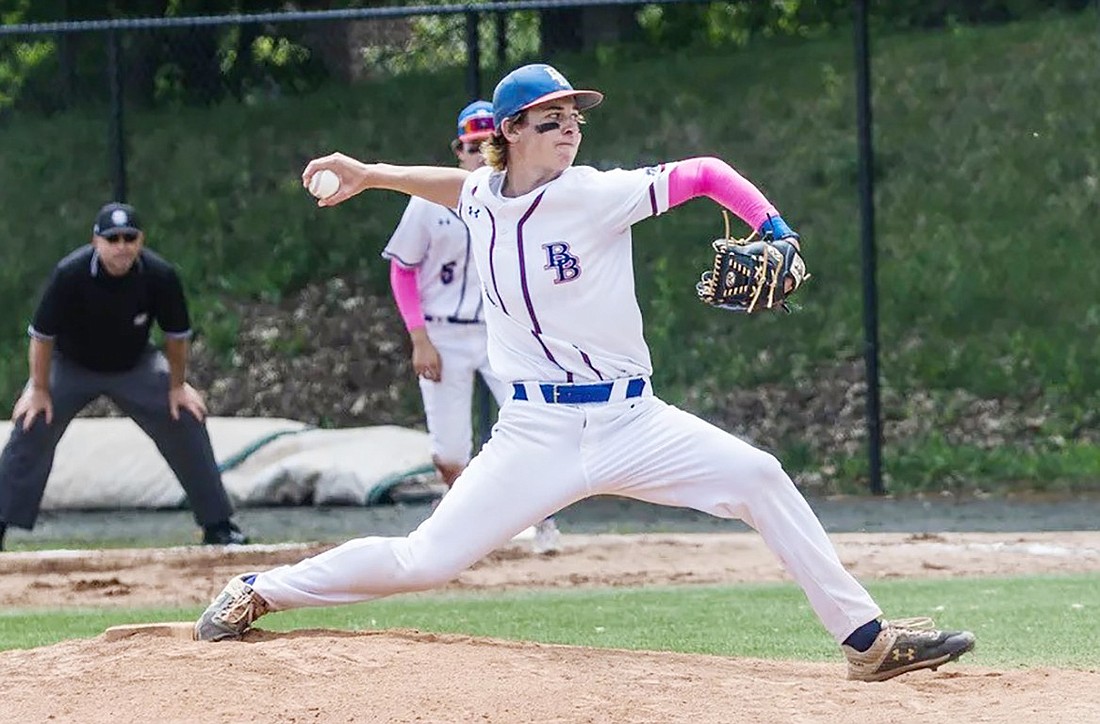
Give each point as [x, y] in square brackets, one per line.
[552, 242]
[438, 292]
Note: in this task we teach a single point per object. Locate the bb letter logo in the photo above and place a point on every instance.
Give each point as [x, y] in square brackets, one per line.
[566, 266]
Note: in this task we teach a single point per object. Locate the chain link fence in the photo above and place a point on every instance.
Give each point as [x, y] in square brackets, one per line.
[108, 66]
[130, 103]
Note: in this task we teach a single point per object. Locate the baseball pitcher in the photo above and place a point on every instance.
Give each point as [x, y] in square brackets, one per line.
[552, 243]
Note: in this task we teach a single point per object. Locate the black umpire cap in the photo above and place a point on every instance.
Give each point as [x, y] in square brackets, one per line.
[116, 218]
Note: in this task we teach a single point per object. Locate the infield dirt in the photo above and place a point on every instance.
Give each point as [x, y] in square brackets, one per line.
[411, 676]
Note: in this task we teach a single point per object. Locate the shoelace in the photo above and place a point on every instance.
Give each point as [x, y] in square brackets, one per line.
[919, 625]
[245, 607]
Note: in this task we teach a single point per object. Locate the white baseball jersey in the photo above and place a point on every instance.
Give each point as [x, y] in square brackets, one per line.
[433, 239]
[559, 254]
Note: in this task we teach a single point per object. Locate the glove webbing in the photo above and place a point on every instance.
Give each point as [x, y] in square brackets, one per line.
[758, 278]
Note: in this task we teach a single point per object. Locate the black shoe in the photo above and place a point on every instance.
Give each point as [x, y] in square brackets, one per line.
[223, 534]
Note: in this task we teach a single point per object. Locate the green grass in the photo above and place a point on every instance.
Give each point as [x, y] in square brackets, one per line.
[934, 465]
[986, 190]
[1020, 622]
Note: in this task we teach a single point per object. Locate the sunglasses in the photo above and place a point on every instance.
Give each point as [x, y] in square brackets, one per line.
[470, 148]
[477, 124]
[129, 237]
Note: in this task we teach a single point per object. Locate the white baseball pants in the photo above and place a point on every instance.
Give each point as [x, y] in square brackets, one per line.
[448, 403]
[541, 458]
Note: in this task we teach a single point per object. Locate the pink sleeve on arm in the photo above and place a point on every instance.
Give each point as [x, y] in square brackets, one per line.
[718, 180]
[406, 294]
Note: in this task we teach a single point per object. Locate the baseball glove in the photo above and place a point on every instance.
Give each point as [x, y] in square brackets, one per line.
[751, 274]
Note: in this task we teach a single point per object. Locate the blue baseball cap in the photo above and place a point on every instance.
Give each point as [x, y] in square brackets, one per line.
[533, 84]
[475, 121]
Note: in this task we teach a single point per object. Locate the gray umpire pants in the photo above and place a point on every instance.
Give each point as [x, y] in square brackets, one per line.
[142, 394]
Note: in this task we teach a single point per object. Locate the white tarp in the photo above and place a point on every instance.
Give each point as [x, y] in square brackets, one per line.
[111, 463]
[350, 466]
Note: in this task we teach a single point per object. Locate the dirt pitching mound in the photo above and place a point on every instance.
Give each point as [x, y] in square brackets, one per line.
[409, 676]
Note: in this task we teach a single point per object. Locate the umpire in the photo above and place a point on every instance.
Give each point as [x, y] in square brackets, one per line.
[90, 337]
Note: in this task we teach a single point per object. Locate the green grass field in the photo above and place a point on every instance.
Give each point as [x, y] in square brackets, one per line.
[1020, 622]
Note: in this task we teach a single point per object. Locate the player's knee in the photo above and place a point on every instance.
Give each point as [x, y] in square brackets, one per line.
[766, 468]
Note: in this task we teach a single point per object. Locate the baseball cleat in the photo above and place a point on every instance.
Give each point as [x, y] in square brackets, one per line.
[232, 612]
[547, 538]
[904, 645]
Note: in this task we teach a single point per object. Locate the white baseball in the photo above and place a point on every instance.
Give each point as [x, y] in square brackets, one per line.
[324, 184]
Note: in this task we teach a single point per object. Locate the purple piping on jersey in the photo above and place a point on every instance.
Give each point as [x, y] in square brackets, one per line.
[492, 266]
[523, 267]
[588, 361]
[537, 331]
[653, 192]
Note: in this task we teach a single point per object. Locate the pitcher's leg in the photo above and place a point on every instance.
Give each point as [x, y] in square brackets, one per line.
[547, 537]
[515, 481]
[142, 394]
[674, 458]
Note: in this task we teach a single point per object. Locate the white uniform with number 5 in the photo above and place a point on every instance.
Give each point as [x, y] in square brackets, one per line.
[435, 241]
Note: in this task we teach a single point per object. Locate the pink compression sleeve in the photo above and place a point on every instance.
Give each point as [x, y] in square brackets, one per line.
[406, 294]
[717, 180]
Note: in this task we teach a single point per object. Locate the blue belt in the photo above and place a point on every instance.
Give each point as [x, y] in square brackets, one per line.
[573, 394]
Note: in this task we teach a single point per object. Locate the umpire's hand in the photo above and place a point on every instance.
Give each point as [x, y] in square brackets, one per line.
[188, 398]
[33, 401]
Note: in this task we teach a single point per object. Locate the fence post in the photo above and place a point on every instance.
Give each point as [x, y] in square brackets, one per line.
[867, 233]
[501, 20]
[473, 56]
[66, 69]
[116, 141]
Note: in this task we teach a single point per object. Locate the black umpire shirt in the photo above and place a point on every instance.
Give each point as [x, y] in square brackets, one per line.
[103, 322]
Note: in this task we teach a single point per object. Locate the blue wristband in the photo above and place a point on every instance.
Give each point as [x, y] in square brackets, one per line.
[777, 227]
